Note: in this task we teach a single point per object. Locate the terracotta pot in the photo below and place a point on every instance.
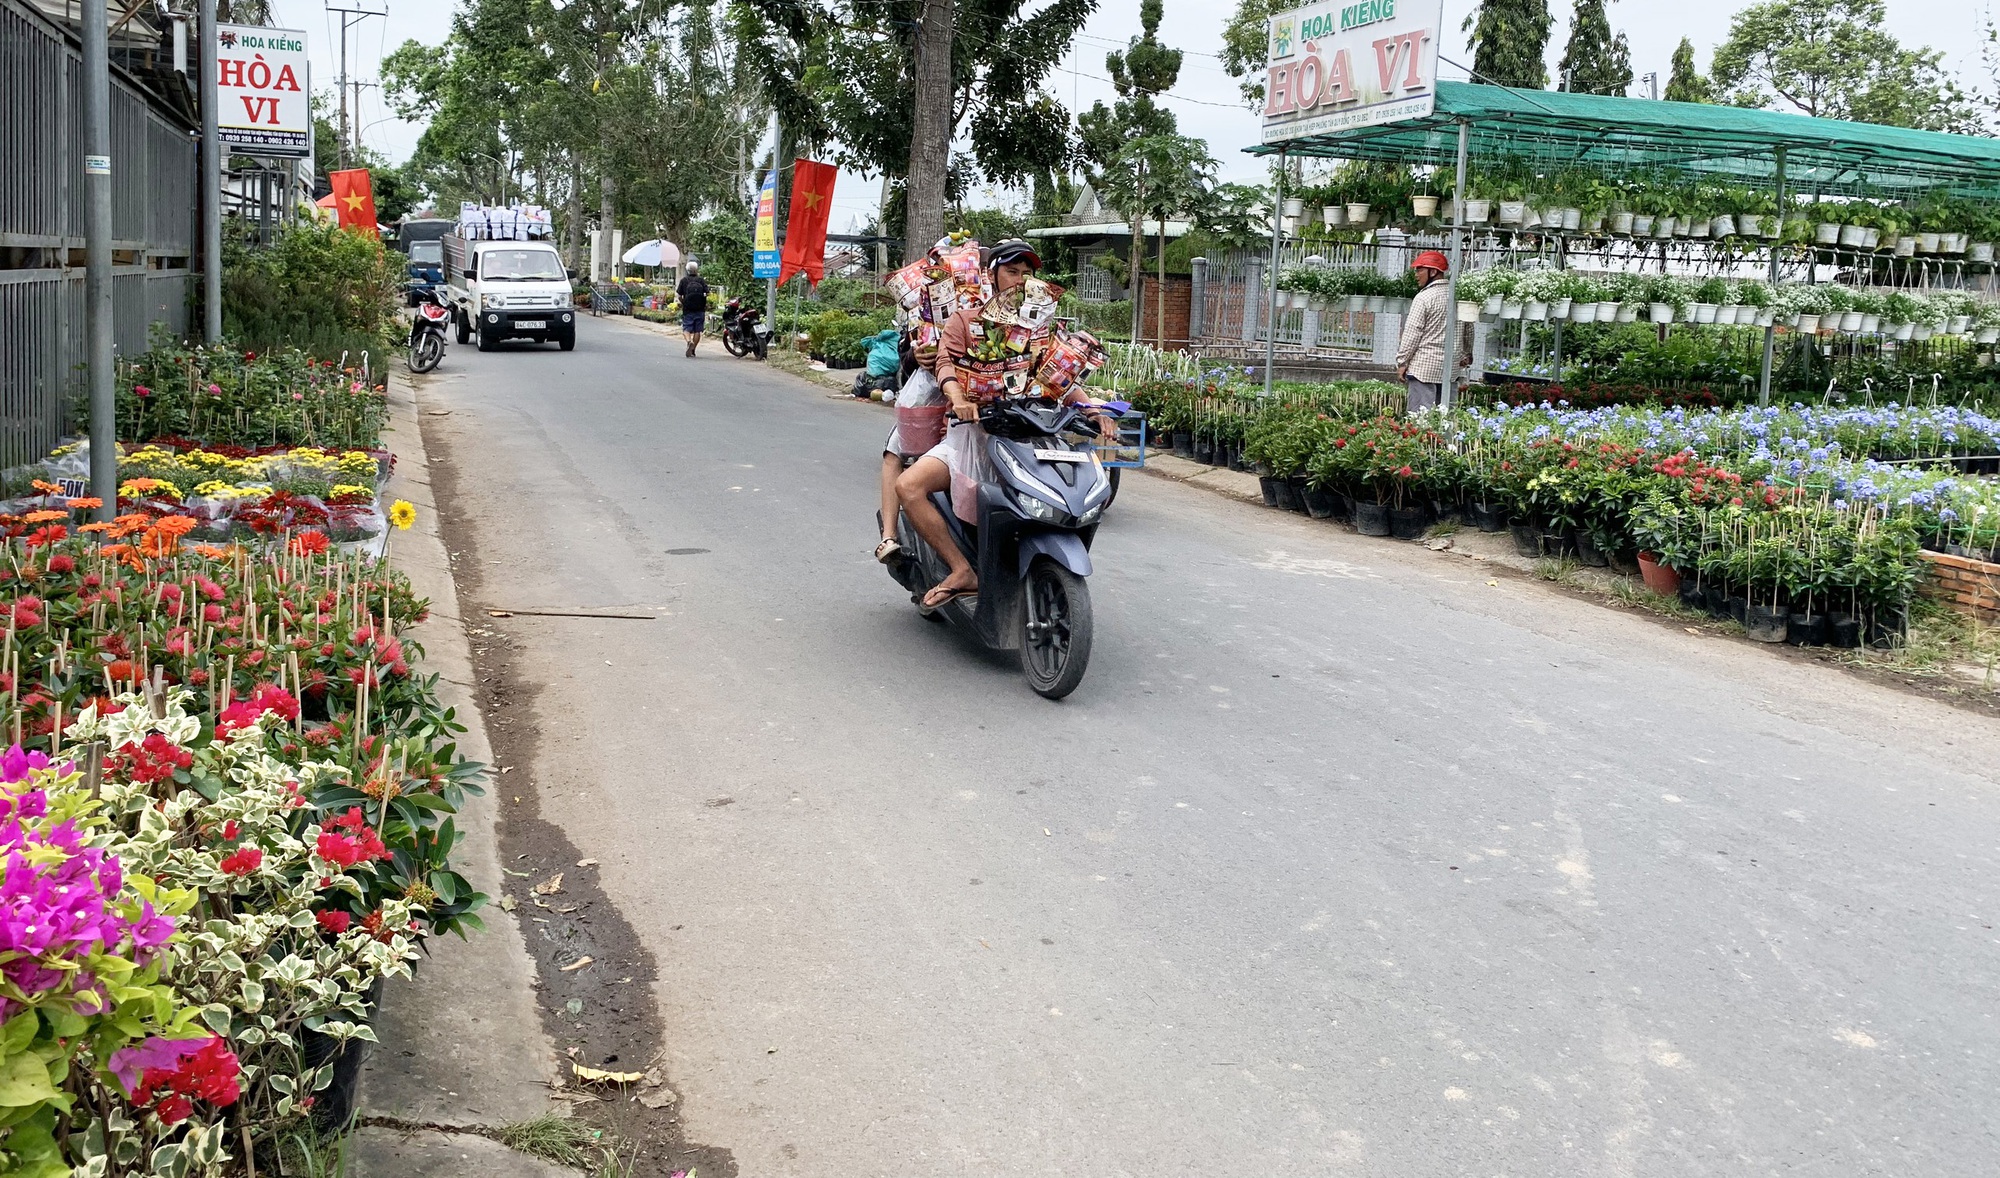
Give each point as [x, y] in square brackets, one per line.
[1658, 577]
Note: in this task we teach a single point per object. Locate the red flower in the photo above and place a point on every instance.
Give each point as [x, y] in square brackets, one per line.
[243, 861]
[230, 830]
[210, 1074]
[48, 534]
[61, 564]
[310, 543]
[333, 922]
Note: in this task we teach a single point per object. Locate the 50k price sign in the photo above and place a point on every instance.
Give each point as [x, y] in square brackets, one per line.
[264, 91]
[1345, 64]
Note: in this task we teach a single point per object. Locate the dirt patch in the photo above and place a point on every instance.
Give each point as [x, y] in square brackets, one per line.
[600, 1014]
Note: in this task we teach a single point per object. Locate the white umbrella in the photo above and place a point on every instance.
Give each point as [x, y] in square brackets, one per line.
[653, 253]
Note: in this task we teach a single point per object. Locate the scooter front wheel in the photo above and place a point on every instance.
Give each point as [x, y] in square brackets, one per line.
[1055, 629]
[427, 352]
[731, 344]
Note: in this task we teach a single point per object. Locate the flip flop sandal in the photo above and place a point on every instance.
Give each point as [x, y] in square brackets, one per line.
[888, 550]
[930, 607]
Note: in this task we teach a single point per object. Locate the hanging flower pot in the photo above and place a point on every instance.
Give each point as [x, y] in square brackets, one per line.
[1491, 306]
[1355, 303]
[1627, 313]
[1683, 227]
[1582, 312]
[1901, 331]
[1827, 233]
[1951, 243]
[1663, 227]
[1477, 211]
[1774, 226]
[1724, 225]
[1334, 215]
[1572, 218]
[1979, 251]
[1531, 218]
[1559, 308]
[1808, 324]
[1642, 225]
[1853, 235]
[1749, 224]
[1424, 206]
[1923, 332]
[1607, 310]
[1872, 239]
[1850, 321]
[1294, 206]
[1621, 222]
[1356, 212]
[1511, 211]
[1511, 310]
[1766, 316]
[1299, 300]
[1535, 309]
[1927, 243]
[1468, 311]
[1870, 324]
[1697, 228]
[1703, 312]
[1660, 312]
[1593, 223]
[1958, 324]
[1906, 245]
[1373, 303]
[1987, 335]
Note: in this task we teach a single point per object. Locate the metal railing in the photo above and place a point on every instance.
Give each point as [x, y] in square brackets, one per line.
[42, 347]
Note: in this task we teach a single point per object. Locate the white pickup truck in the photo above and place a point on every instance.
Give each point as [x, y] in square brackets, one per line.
[509, 290]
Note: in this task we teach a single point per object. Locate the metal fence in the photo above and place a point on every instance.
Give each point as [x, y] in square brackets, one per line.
[153, 168]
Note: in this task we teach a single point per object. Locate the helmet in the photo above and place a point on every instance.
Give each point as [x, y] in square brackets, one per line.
[1431, 260]
[1013, 250]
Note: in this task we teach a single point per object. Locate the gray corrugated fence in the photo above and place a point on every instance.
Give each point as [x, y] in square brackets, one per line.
[41, 226]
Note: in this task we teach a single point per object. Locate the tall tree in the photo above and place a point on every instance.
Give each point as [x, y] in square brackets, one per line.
[1686, 83]
[1143, 70]
[1246, 46]
[1595, 61]
[1510, 39]
[1831, 58]
[1162, 176]
[930, 130]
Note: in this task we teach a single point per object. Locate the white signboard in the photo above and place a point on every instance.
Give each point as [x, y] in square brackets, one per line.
[264, 91]
[1337, 66]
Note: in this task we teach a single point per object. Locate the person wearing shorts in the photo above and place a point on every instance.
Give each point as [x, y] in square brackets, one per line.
[905, 445]
[693, 294]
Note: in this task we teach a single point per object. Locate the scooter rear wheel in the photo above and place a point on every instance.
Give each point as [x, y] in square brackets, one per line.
[428, 351]
[1055, 629]
[731, 344]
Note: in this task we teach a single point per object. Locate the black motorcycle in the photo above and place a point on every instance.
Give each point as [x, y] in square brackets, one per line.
[744, 332]
[427, 327]
[1031, 547]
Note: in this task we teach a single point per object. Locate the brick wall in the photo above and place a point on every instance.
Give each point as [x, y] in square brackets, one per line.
[1180, 296]
[1967, 585]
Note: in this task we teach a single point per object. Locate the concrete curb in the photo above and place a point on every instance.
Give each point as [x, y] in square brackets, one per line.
[463, 1045]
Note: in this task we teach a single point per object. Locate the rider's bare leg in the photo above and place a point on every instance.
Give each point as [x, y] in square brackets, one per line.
[892, 466]
[914, 488]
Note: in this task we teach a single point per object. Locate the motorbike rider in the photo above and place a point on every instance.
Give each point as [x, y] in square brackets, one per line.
[958, 459]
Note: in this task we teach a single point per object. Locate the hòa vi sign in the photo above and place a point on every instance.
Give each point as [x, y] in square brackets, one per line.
[1339, 66]
[263, 91]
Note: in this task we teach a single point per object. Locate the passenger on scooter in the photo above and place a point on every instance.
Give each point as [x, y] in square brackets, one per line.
[955, 464]
[918, 385]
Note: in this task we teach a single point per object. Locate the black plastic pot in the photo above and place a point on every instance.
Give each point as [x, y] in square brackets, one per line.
[1527, 539]
[1487, 518]
[1183, 444]
[1371, 519]
[1692, 594]
[1269, 486]
[1322, 503]
[1204, 452]
[1298, 485]
[1556, 543]
[1715, 600]
[1888, 629]
[334, 1107]
[1236, 459]
[1762, 623]
[1807, 630]
[1408, 523]
[1844, 632]
[1739, 610]
[1447, 512]
[1588, 552]
[1286, 500]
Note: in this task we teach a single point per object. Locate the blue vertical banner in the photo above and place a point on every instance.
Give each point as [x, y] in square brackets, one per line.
[764, 259]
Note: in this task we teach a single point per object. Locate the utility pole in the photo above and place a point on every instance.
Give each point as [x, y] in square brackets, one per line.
[97, 304]
[352, 12]
[1652, 85]
[930, 132]
[211, 181]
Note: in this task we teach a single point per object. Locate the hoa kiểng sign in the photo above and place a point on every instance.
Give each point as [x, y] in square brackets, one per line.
[1339, 66]
[263, 91]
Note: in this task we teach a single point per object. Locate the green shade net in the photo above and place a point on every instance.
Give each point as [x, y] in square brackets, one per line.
[1729, 144]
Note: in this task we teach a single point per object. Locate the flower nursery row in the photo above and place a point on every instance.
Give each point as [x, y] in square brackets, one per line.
[1652, 203]
[228, 807]
[1793, 510]
[230, 398]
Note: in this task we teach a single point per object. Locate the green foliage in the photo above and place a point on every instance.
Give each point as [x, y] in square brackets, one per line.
[1686, 83]
[722, 244]
[1509, 38]
[1595, 61]
[225, 396]
[1144, 68]
[321, 289]
[1832, 59]
[838, 334]
[1245, 41]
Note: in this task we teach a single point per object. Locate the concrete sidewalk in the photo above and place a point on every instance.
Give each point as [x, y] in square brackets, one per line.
[462, 1050]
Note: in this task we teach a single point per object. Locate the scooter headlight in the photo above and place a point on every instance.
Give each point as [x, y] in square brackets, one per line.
[1038, 510]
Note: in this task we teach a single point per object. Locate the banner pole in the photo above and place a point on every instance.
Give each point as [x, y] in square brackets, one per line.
[1271, 290]
[1448, 387]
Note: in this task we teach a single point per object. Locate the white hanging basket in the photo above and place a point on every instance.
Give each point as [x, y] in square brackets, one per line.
[1511, 310]
[1621, 222]
[1559, 308]
[1572, 218]
[1807, 324]
[1334, 215]
[1663, 226]
[1357, 212]
[1906, 245]
[1766, 316]
[1582, 312]
[1901, 330]
[1853, 235]
[1468, 311]
[1373, 303]
[1511, 211]
[1927, 243]
[1723, 225]
[1424, 206]
[1535, 310]
[1355, 303]
[1826, 233]
[1477, 211]
[1491, 307]
[1979, 251]
[1871, 239]
[1749, 224]
[1703, 312]
[1607, 311]
[1957, 324]
[1627, 313]
[1660, 312]
[1924, 331]
[1987, 335]
[1870, 324]
[1294, 206]
[1642, 225]
[1850, 321]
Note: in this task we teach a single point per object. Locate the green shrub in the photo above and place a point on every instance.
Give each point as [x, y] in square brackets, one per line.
[320, 289]
[837, 335]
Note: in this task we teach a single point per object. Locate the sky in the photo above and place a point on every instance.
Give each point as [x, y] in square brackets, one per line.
[1205, 100]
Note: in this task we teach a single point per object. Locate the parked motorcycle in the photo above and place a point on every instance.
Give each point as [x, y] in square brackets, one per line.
[1037, 518]
[427, 327]
[744, 332]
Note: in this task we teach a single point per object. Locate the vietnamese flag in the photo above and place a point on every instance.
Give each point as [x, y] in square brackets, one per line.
[354, 200]
[805, 233]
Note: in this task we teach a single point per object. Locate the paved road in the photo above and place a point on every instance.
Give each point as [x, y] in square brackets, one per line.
[1342, 860]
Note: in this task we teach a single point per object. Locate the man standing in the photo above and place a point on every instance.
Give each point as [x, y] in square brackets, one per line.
[1420, 353]
[693, 294]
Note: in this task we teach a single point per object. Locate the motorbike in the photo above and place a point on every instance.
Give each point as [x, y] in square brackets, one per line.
[744, 332]
[1031, 547]
[427, 327]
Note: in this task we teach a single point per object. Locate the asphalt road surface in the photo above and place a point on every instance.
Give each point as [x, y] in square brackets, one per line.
[1343, 860]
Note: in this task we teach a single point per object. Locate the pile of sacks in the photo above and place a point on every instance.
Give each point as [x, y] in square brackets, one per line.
[516, 222]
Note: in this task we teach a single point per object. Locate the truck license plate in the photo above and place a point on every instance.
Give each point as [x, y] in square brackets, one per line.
[527, 323]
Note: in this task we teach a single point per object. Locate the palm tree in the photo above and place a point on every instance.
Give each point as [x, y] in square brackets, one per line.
[1161, 176]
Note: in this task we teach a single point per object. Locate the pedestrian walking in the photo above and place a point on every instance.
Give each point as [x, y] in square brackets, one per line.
[693, 294]
[1420, 352]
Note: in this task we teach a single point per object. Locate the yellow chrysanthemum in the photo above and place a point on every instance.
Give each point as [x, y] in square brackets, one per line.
[402, 513]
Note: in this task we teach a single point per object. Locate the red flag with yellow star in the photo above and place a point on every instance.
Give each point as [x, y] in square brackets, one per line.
[354, 200]
[805, 232]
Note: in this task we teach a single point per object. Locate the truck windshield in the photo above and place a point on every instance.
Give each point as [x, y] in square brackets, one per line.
[522, 266]
[427, 252]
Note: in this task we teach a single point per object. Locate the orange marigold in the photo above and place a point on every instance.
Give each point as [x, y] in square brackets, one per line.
[86, 503]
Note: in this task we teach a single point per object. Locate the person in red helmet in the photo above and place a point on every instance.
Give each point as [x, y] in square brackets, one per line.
[1420, 353]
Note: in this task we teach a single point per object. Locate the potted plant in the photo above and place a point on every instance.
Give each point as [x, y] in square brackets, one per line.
[1708, 297]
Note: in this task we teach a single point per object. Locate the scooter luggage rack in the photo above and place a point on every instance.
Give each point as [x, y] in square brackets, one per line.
[1130, 452]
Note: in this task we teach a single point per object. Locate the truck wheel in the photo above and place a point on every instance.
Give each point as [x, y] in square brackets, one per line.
[567, 341]
[461, 327]
[486, 340]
